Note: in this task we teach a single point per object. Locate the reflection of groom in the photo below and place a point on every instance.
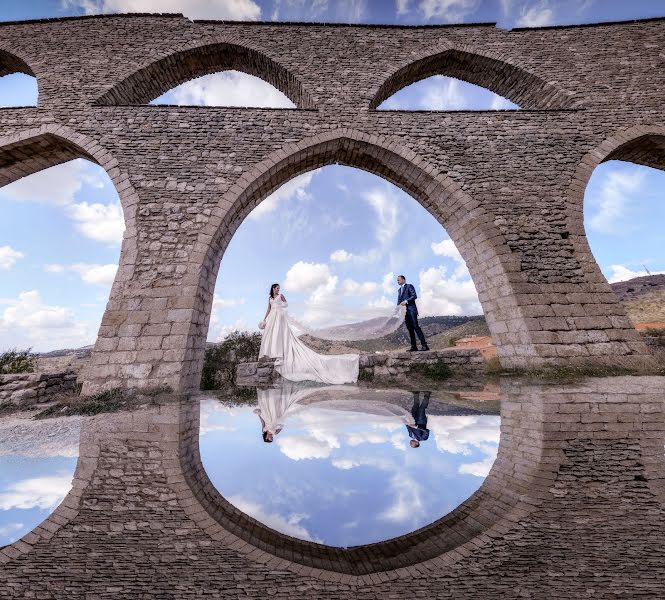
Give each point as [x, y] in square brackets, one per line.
[407, 297]
[419, 433]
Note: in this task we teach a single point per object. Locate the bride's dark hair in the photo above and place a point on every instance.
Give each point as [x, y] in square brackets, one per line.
[272, 287]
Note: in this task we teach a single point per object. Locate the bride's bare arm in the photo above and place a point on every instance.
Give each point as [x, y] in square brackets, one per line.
[284, 299]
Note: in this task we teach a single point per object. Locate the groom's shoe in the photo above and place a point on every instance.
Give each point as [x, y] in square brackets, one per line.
[413, 349]
[425, 349]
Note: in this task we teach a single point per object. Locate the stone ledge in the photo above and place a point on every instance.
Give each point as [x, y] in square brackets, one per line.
[25, 389]
[377, 366]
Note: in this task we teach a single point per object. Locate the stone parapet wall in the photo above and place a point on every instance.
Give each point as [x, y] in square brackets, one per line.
[24, 389]
[461, 361]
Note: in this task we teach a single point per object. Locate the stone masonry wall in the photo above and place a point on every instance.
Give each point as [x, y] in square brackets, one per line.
[25, 389]
[379, 366]
[508, 186]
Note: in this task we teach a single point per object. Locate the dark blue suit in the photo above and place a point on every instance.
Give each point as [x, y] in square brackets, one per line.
[408, 294]
[419, 414]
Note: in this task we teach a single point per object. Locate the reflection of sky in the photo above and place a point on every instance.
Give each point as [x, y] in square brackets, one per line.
[345, 478]
[35, 472]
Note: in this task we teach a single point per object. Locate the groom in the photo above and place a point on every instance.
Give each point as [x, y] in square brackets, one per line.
[407, 297]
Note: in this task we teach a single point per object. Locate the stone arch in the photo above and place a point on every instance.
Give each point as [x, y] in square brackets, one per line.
[11, 63]
[195, 60]
[641, 144]
[487, 69]
[498, 505]
[38, 148]
[468, 224]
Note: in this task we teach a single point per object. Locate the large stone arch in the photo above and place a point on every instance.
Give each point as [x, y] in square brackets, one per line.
[486, 69]
[159, 75]
[492, 266]
[38, 148]
[12, 63]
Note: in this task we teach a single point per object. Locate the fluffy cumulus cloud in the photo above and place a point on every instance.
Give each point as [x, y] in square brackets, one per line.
[27, 321]
[228, 88]
[96, 274]
[58, 186]
[353, 288]
[609, 207]
[37, 492]
[8, 257]
[308, 277]
[623, 273]
[236, 10]
[294, 188]
[407, 505]
[289, 525]
[99, 222]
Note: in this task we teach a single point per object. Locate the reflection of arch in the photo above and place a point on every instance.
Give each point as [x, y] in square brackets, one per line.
[159, 76]
[641, 144]
[468, 224]
[487, 70]
[498, 504]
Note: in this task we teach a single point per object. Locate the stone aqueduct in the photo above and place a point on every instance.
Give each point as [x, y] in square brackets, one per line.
[507, 185]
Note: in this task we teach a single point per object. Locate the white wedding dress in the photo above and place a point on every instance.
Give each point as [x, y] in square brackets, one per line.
[294, 360]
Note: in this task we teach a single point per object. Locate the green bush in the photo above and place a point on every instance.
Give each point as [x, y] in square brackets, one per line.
[18, 361]
[437, 370]
[219, 364]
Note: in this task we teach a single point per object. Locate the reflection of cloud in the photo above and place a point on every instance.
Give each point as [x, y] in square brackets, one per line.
[8, 531]
[623, 273]
[209, 409]
[38, 492]
[463, 435]
[289, 525]
[300, 447]
[407, 505]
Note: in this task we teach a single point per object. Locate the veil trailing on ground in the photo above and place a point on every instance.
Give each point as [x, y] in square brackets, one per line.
[373, 328]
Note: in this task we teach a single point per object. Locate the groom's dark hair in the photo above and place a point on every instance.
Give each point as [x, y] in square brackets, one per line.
[402, 276]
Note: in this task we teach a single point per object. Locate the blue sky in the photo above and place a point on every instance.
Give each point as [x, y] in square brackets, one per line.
[61, 228]
[344, 477]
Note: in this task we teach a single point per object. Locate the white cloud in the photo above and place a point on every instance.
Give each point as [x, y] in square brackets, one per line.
[609, 207]
[289, 524]
[218, 302]
[339, 256]
[442, 295]
[8, 257]
[407, 506]
[352, 288]
[302, 447]
[235, 10]
[99, 222]
[294, 188]
[307, 277]
[539, 15]
[623, 273]
[55, 185]
[298, 9]
[29, 322]
[402, 6]
[38, 492]
[226, 88]
[447, 10]
[96, 274]
[385, 203]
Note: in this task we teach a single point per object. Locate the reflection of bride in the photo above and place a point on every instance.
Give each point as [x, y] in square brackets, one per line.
[294, 360]
[279, 403]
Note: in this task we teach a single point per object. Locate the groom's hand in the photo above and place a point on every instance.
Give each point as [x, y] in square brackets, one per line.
[403, 303]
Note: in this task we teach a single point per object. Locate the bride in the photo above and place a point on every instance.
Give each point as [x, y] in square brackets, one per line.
[295, 361]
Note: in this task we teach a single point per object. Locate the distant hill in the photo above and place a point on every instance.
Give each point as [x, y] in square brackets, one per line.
[643, 297]
[431, 326]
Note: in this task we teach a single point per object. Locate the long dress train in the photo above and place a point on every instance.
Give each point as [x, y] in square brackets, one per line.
[294, 360]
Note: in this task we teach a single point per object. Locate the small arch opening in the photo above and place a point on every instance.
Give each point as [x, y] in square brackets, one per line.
[227, 88]
[440, 92]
